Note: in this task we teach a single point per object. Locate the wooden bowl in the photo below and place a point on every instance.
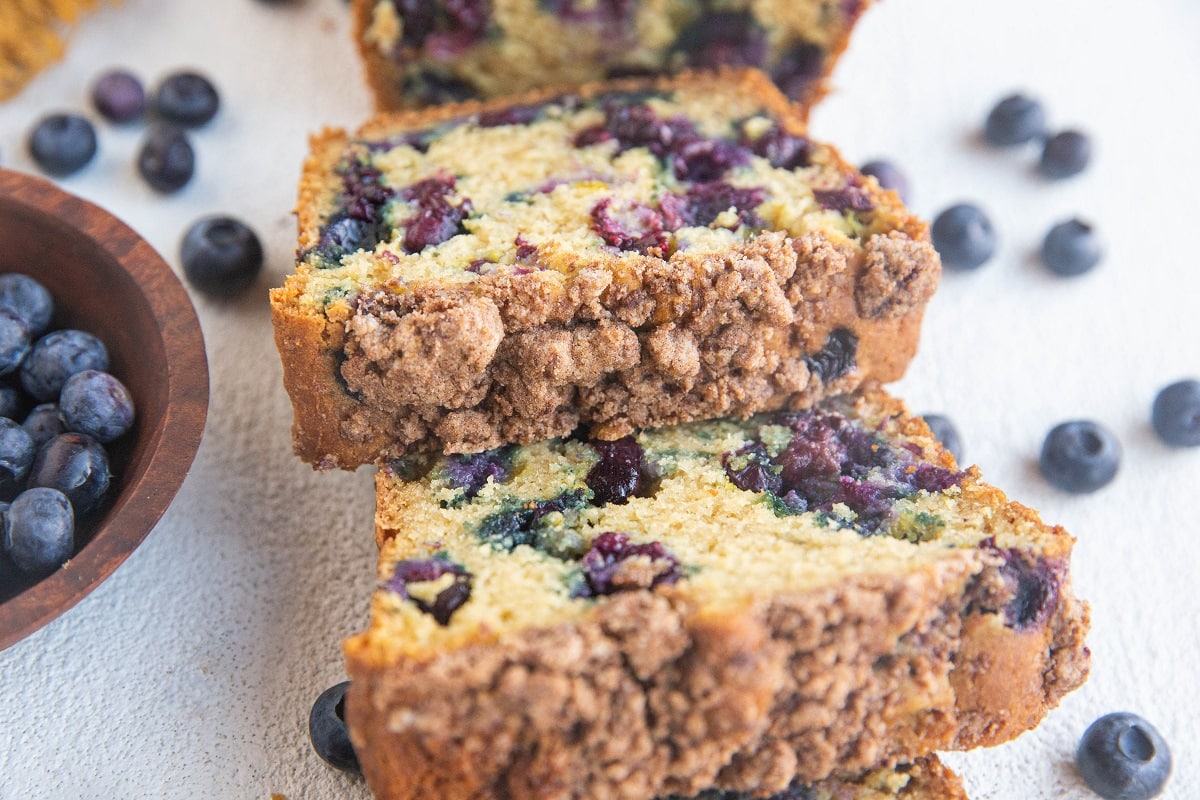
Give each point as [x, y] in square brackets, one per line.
[106, 280]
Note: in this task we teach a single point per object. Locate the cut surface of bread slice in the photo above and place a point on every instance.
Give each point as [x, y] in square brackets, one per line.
[437, 51]
[635, 254]
[725, 604]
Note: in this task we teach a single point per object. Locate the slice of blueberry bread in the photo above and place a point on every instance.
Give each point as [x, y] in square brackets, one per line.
[424, 52]
[924, 779]
[635, 254]
[729, 604]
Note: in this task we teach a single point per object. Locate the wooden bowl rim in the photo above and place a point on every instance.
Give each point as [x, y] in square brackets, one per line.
[175, 440]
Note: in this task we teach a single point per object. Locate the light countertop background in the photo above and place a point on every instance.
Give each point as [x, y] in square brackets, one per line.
[190, 673]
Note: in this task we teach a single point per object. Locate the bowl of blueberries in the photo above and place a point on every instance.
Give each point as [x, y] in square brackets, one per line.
[103, 397]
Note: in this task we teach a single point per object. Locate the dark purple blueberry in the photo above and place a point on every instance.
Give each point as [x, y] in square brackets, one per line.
[28, 299]
[722, 38]
[637, 125]
[512, 115]
[620, 473]
[1123, 757]
[14, 341]
[119, 96]
[1035, 593]
[76, 465]
[1080, 456]
[166, 160]
[1016, 119]
[327, 729]
[703, 203]
[889, 176]
[17, 452]
[798, 68]
[62, 144]
[750, 469]
[705, 160]
[601, 565]
[836, 358]
[43, 423]
[844, 198]
[57, 356]
[221, 256]
[448, 600]
[1065, 154]
[631, 226]
[97, 404]
[39, 530]
[1176, 414]
[12, 402]
[472, 472]
[783, 150]
[186, 98]
[945, 431]
[963, 236]
[602, 11]
[435, 220]
[364, 193]
[1071, 248]
[343, 235]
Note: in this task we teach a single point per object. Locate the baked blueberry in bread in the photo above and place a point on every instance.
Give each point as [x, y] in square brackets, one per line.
[634, 254]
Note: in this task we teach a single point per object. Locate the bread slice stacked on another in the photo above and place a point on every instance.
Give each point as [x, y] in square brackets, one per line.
[422, 52]
[728, 604]
[630, 255]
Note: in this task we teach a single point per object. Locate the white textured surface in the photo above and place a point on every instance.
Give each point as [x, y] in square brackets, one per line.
[190, 673]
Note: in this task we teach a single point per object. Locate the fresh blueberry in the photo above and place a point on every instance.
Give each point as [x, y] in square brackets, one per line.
[44, 423]
[221, 256]
[28, 299]
[1015, 120]
[62, 144]
[17, 451]
[57, 356]
[1065, 154]
[186, 98]
[96, 403]
[1071, 248]
[76, 465]
[1080, 456]
[1122, 757]
[166, 160]
[327, 729]
[945, 432]
[12, 402]
[119, 96]
[963, 236]
[39, 530]
[1176, 414]
[14, 341]
[889, 176]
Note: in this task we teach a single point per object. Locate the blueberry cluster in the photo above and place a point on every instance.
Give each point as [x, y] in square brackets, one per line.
[65, 142]
[54, 469]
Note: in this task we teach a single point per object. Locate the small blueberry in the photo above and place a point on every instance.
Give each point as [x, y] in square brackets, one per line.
[1176, 414]
[327, 729]
[1065, 154]
[1071, 248]
[1015, 120]
[1122, 757]
[963, 236]
[1080, 456]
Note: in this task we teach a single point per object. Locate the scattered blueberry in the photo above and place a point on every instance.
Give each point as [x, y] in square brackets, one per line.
[14, 341]
[11, 402]
[186, 98]
[96, 403]
[221, 256]
[39, 530]
[119, 96]
[62, 144]
[1071, 248]
[1122, 757]
[166, 160]
[57, 356]
[327, 729]
[963, 236]
[1176, 414]
[16, 457]
[77, 466]
[1080, 456]
[1065, 154]
[944, 431]
[43, 423]
[28, 299]
[889, 176]
[1015, 120]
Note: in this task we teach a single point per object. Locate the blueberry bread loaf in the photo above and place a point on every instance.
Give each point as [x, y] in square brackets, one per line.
[635, 254]
[31, 37]
[423, 52]
[924, 779]
[728, 604]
